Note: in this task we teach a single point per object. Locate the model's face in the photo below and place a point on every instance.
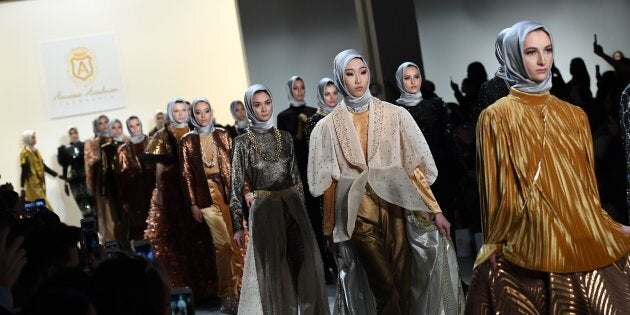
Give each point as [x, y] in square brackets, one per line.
[537, 55]
[34, 139]
[135, 126]
[102, 124]
[203, 114]
[180, 112]
[240, 111]
[117, 129]
[616, 55]
[331, 95]
[159, 120]
[74, 135]
[298, 90]
[412, 80]
[262, 106]
[356, 77]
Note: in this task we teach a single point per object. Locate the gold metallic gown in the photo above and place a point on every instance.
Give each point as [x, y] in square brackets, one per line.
[552, 224]
[182, 245]
[35, 184]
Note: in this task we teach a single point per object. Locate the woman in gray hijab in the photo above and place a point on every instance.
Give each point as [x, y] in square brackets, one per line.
[110, 218]
[283, 268]
[237, 108]
[32, 178]
[372, 157]
[549, 247]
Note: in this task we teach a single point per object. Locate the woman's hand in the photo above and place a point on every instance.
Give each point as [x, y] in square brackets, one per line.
[239, 237]
[443, 225]
[249, 199]
[196, 213]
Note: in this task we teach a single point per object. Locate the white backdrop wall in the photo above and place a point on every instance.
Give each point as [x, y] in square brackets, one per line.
[166, 48]
[454, 33]
[285, 38]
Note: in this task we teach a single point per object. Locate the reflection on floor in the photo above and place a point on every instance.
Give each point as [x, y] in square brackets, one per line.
[465, 269]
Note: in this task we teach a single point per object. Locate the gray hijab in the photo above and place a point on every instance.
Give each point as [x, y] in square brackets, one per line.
[406, 98]
[111, 134]
[135, 138]
[498, 52]
[98, 132]
[514, 67]
[255, 123]
[356, 104]
[292, 100]
[198, 127]
[240, 123]
[323, 83]
[169, 110]
[27, 138]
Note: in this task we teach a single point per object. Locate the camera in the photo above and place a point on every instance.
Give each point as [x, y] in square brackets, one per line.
[143, 248]
[182, 301]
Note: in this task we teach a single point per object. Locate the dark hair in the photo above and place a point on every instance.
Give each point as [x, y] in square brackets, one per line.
[128, 285]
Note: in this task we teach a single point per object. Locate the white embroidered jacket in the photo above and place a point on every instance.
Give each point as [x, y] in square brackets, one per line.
[396, 147]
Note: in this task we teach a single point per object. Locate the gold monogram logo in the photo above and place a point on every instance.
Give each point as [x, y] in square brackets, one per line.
[81, 66]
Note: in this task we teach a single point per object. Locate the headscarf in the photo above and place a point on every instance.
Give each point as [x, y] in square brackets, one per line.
[111, 134]
[294, 102]
[498, 52]
[240, 123]
[406, 98]
[323, 83]
[169, 110]
[255, 123]
[356, 104]
[97, 131]
[515, 71]
[135, 138]
[77, 130]
[198, 127]
[158, 112]
[27, 138]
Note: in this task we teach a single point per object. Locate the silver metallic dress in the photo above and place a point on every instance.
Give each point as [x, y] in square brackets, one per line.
[283, 268]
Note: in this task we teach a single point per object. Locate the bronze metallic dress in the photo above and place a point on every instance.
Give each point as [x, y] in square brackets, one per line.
[283, 268]
[559, 251]
[137, 180]
[182, 245]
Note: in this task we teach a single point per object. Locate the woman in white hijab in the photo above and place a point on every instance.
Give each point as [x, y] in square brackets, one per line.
[32, 179]
[283, 268]
[373, 158]
[549, 247]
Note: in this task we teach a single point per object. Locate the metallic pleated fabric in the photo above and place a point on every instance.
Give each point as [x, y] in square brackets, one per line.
[509, 289]
[35, 184]
[557, 224]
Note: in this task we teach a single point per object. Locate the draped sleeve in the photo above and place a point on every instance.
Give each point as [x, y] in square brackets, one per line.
[323, 166]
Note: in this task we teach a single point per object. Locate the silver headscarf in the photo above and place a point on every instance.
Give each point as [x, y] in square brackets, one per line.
[406, 98]
[111, 134]
[514, 67]
[292, 100]
[98, 132]
[169, 110]
[77, 130]
[135, 138]
[240, 123]
[356, 104]
[255, 123]
[323, 83]
[27, 138]
[498, 52]
[198, 127]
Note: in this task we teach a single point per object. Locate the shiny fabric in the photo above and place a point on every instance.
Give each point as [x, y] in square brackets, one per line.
[354, 295]
[395, 148]
[137, 180]
[435, 282]
[72, 156]
[283, 268]
[208, 189]
[110, 219]
[624, 110]
[356, 104]
[94, 178]
[557, 225]
[182, 246]
[510, 289]
[255, 123]
[381, 245]
[35, 184]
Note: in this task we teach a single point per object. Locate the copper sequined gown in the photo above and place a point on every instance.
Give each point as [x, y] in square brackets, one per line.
[182, 246]
[560, 251]
[283, 268]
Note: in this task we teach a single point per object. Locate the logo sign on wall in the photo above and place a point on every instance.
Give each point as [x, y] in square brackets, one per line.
[82, 75]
